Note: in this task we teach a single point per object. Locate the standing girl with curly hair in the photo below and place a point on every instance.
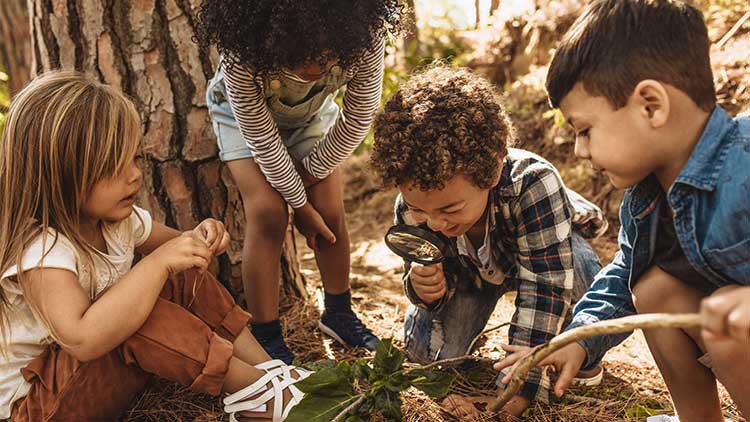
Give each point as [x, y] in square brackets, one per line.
[282, 135]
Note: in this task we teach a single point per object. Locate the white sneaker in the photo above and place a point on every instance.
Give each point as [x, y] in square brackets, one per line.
[668, 418]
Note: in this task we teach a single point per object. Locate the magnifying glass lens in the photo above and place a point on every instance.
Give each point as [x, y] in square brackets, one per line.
[414, 244]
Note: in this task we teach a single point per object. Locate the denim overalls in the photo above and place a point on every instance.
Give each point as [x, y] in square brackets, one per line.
[304, 111]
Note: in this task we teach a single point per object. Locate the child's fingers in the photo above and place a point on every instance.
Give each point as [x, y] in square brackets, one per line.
[714, 311]
[739, 324]
[509, 360]
[312, 242]
[566, 376]
[424, 270]
[210, 232]
[324, 231]
[223, 244]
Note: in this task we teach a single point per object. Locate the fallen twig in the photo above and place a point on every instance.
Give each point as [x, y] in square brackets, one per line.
[732, 31]
[614, 326]
[341, 416]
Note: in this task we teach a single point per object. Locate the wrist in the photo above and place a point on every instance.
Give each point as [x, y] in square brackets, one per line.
[154, 265]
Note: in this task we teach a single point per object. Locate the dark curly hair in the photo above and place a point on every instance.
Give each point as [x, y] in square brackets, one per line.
[265, 36]
[441, 123]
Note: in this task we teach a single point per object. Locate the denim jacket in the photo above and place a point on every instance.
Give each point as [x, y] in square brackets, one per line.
[711, 203]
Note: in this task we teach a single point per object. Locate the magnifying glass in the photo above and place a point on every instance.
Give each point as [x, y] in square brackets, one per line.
[417, 244]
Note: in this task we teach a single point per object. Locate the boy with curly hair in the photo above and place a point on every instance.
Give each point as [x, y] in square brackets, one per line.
[282, 136]
[633, 78]
[443, 140]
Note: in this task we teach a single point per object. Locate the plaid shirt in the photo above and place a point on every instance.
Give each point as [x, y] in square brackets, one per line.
[531, 220]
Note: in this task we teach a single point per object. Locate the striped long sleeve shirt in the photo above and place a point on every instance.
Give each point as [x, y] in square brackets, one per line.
[361, 101]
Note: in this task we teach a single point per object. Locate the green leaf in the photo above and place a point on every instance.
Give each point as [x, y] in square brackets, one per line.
[360, 370]
[328, 382]
[388, 359]
[641, 411]
[397, 382]
[434, 383]
[317, 365]
[389, 405]
[315, 408]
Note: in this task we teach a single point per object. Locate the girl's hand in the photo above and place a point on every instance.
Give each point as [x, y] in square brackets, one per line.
[726, 314]
[185, 251]
[214, 234]
[567, 362]
[311, 224]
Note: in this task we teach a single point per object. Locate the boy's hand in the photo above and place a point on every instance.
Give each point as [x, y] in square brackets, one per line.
[726, 314]
[311, 224]
[567, 362]
[428, 282]
[214, 234]
[181, 253]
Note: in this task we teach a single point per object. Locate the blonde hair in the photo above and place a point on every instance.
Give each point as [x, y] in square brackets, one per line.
[63, 134]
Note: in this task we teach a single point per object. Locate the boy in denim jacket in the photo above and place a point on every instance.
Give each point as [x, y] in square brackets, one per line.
[443, 140]
[633, 78]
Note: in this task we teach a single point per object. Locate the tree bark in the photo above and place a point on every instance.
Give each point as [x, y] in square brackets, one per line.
[410, 47]
[494, 5]
[477, 14]
[145, 48]
[15, 53]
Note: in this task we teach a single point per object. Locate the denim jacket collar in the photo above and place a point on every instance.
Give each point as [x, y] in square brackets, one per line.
[702, 169]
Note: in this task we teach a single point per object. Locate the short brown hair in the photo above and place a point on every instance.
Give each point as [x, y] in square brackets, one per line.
[441, 123]
[615, 44]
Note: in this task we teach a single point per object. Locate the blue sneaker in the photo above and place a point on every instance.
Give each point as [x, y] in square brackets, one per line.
[276, 348]
[347, 329]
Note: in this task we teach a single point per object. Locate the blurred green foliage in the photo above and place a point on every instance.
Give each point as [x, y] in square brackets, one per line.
[4, 98]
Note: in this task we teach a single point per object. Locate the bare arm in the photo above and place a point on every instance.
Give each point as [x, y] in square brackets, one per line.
[160, 234]
[88, 330]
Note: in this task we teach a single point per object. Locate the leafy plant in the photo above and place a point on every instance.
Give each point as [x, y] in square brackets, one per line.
[330, 392]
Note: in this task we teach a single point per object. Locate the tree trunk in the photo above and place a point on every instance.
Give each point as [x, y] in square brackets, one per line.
[410, 47]
[477, 14]
[145, 48]
[15, 53]
[494, 5]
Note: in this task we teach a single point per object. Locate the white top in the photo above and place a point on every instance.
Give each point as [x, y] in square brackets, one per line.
[483, 257]
[28, 337]
[361, 101]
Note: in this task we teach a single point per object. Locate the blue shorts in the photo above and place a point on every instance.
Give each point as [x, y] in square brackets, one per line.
[232, 146]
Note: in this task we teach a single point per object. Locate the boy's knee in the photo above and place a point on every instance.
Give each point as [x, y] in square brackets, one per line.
[648, 293]
[657, 291]
[268, 220]
[725, 356]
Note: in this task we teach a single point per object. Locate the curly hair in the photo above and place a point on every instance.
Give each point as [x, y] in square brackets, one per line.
[265, 36]
[441, 123]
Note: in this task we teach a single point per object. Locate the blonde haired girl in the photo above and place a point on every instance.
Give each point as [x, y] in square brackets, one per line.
[82, 327]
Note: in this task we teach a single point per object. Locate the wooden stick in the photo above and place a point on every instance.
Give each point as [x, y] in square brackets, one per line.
[732, 31]
[614, 326]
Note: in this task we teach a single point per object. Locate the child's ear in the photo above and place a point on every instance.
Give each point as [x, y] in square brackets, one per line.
[652, 101]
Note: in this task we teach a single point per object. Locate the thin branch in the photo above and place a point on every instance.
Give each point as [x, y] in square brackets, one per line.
[340, 417]
[732, 31]
[452, 362]
[614, 326]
